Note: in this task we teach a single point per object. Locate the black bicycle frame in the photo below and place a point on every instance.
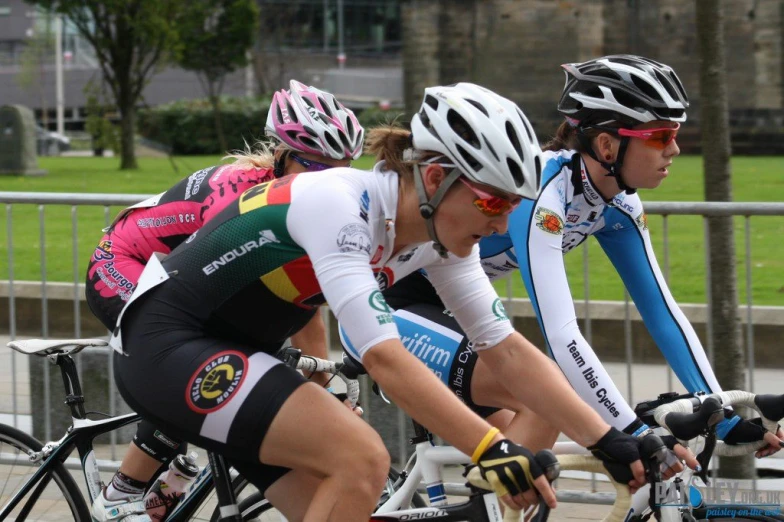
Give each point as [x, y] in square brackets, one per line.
[81, 436]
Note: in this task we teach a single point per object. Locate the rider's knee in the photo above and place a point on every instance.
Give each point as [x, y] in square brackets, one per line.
[371, 462]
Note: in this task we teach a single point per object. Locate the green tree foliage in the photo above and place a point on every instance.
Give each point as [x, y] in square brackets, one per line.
[215, 36]
[131, 38]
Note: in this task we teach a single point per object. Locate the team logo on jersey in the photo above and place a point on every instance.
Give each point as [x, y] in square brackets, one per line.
[216, 382]
[403, 258]
[378, 303]
[384, 277]
[103, 252]
[265, 237]
[549, 221]
[364, 206]
[642, 221]
[354, 237]
[499, 311]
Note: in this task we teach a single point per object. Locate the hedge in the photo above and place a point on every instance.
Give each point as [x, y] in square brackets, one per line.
[188, 126]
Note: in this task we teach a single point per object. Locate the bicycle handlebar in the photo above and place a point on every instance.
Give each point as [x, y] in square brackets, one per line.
[313, 365]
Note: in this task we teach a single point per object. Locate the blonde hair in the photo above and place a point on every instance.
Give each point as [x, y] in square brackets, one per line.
[388, 142]
[260, 156]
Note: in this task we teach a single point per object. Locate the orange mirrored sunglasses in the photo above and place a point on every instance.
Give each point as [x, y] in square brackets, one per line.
[490, 205]
[656, 138]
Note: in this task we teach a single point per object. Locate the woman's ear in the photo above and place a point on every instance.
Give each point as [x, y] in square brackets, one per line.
[433, 176]
[604, 145]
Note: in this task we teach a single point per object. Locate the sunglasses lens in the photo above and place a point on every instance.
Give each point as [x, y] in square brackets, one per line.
[660, 139]
[494, 206]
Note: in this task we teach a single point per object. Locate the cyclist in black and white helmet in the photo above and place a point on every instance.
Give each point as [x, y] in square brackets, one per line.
[617, 94]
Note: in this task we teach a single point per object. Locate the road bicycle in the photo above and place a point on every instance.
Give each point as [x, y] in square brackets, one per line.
[37, 486]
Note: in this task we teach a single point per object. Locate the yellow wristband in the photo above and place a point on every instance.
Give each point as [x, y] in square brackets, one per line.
[484, 444]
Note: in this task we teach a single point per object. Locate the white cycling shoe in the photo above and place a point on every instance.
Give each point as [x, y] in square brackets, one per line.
[123, 510]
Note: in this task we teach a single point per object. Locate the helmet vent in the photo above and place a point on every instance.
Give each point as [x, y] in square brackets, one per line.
[462, 129]
[350, 128]
[468, 158]
[327, 110]
[667, 85]
[332, 143]
[478, 105]
[516, 171]
[311, 144]
[528, 129]
[512, 135]
[491, 149]
[645, 87]
[344, 140]
[310, 131]
[292, 114]
[431, 101]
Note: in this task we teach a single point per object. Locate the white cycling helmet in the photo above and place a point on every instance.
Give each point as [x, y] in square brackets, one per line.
[313, 121]
[485, 135]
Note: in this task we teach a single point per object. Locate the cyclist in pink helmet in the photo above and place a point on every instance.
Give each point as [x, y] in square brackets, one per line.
[313, 132]
[312, 121]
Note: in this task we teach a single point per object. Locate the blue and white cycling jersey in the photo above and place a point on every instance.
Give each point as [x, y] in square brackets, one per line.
[568, 210]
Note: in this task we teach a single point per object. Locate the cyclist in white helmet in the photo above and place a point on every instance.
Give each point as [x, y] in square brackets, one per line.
[306, 123]
[309, 239]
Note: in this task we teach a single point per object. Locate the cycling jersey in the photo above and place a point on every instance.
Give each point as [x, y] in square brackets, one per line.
[202, 322]
[159, 224]
[568, 210]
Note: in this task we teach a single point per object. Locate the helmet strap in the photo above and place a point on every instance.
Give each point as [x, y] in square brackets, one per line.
[427, 208]
[613, 169]
[279, 165]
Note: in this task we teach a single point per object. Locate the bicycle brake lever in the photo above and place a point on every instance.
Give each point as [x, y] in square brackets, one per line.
[705, 455]
[378, 391]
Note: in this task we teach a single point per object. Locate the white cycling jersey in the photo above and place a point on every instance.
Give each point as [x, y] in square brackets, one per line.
[568, 210]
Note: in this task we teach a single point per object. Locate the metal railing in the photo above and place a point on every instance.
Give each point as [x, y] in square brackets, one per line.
[75, 201]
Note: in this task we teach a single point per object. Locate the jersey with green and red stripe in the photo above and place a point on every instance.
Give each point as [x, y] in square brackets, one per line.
[262, 266]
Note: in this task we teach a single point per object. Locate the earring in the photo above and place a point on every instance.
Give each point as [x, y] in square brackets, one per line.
[608, 157]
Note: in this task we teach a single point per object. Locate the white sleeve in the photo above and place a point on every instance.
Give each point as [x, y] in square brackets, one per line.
[324, 220]
[467, 293]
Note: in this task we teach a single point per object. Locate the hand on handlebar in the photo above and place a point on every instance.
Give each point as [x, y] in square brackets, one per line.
[513, 471]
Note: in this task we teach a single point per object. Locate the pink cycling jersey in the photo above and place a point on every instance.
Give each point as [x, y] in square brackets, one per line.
[119, 258]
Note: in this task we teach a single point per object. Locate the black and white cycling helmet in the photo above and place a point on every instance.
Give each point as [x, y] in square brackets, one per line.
[624, 88]
[485, 135]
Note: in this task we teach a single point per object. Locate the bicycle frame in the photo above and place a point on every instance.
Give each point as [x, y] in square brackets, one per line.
[80, 436]
[429, 460]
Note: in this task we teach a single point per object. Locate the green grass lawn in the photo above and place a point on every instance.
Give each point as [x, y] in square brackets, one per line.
[756, 179]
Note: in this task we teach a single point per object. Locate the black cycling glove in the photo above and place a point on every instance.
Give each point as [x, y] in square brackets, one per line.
[509, 468]
[617, 450]
[745, 432]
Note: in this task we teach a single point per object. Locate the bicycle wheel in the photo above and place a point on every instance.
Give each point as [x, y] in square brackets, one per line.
[56, 497]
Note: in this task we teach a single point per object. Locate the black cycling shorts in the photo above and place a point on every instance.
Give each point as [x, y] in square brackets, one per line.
[217, 394]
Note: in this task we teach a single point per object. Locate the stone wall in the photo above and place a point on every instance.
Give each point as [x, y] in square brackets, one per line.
[515, 47]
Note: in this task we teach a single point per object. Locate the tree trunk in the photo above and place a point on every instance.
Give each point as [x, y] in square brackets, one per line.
[458, 20]
[420, 22]
[127, 128]
[716, 151]
[216, 110]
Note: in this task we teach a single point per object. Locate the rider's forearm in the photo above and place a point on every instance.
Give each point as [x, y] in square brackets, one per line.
[414, 388]
[312, 340]
[538, 382]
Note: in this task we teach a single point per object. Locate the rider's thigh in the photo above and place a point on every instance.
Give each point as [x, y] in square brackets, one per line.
[315, 433]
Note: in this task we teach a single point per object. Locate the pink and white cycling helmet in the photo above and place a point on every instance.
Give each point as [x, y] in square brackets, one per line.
[314, 122]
